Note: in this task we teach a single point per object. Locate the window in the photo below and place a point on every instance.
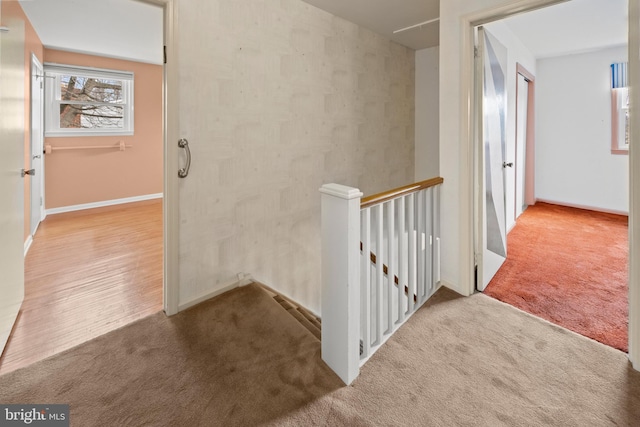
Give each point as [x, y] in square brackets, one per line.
[88, 101]
[619, 109]
[620, 118]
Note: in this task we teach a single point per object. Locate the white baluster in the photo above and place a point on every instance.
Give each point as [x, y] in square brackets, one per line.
[428, 209]
[437, 234]
[402, 246]
[379, 272]
[421, 246]
[412, 250]
[365, 286]
[391, 266]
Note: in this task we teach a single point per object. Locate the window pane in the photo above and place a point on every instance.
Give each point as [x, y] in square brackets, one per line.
[79, 88]
[74, 116]
[84, 101]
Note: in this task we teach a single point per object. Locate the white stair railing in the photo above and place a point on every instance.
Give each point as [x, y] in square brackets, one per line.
[380, 263]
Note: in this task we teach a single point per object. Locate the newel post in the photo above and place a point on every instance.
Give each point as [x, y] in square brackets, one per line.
[340, 223]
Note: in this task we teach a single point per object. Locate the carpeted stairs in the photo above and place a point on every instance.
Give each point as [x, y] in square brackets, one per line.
[299, 313]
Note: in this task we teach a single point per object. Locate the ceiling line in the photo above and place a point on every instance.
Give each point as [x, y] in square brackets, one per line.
[417, 25]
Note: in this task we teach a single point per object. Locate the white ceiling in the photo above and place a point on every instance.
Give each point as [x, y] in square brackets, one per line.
[133, 30]
[114, 28]
[572, 27]
[386, 16]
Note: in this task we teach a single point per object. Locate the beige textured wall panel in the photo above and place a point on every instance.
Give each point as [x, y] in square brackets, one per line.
[276, 99]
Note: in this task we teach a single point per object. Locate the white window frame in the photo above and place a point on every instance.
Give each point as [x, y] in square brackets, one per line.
[619, 120]
[54, 72]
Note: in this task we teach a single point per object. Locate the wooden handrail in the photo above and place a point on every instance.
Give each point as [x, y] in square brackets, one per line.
[401, 191]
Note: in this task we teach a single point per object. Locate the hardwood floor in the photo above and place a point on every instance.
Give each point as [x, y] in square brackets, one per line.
[87, 273]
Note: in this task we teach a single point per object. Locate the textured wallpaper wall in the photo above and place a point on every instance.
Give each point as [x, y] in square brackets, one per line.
[276, 99]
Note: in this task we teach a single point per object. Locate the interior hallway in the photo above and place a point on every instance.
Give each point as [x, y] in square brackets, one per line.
[87, 273]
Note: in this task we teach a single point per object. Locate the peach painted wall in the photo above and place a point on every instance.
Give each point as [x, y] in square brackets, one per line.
[32, 44]
[74, 177]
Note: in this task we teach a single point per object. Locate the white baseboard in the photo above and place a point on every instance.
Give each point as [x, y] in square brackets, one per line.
[243, 280]
[455, 288]
[589, 208]
[103, 204]
[27, 244]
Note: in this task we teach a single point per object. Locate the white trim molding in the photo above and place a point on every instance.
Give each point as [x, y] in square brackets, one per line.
[171, 135]
[585, 207]
[243, 280]
[634, 185]
[27, 244]
[102, 204]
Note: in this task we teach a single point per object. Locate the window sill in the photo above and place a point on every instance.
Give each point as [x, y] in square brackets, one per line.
[620, 151]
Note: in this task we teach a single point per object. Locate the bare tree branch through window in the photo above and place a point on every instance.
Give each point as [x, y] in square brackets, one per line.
[90, 100]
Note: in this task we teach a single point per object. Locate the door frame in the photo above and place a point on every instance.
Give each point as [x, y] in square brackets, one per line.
[37, 70]
[634, 190]
[170, 206]
[467, 190]
[530, 137]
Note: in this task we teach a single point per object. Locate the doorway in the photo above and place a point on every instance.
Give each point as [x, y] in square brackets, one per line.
[167, 259]
[37, 145]
[521, 86]
[525, 140]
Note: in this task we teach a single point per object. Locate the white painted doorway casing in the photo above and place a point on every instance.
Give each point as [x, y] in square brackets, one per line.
[171, 220]
[37, 145]
[522, 100]
[634, 185]
[466, 176]
[170, 115]
[525, 140]
[12, 128]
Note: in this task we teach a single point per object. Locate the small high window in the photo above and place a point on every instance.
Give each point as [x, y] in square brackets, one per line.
[88, 101]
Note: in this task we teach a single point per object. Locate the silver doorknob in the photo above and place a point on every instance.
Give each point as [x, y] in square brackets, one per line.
[507, 165]
[37, 156]
[30, 172]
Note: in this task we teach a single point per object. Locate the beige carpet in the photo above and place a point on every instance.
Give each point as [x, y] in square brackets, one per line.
[240, 359]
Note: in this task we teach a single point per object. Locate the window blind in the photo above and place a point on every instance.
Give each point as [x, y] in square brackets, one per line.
[619, 75]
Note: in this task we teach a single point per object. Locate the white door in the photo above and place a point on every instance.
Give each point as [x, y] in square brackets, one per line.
[522, 102]
[11, 181]
[492, 123]
[37, 135]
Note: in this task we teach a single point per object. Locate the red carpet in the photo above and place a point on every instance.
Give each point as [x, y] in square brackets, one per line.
[569, 266]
